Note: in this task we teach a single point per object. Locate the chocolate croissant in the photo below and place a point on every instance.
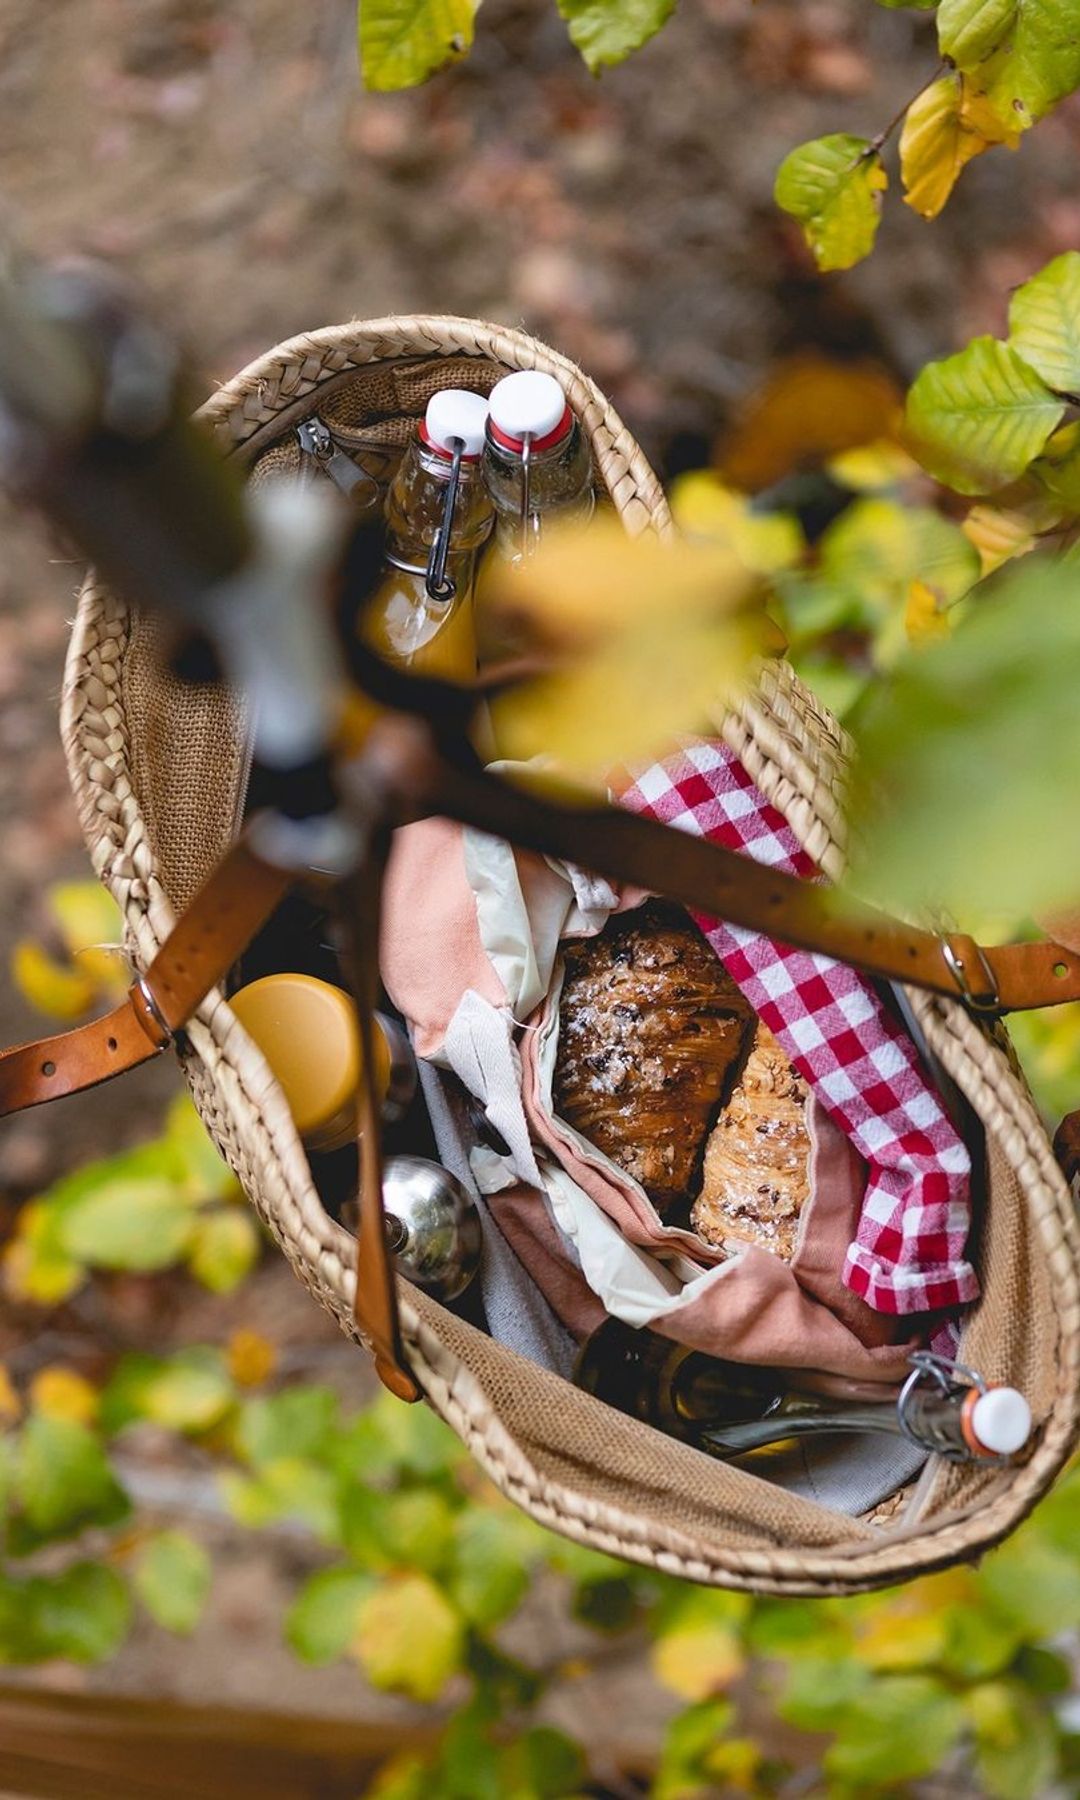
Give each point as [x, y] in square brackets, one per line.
[652, 1031]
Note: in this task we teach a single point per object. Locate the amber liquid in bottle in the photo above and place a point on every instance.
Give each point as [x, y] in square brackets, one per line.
[424, 632]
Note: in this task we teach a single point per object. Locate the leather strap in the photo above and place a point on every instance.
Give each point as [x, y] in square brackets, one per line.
[1007, 978]
[206, 940]
[375, 1305]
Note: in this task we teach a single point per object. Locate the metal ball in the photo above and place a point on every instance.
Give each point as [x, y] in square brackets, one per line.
[433, 1226]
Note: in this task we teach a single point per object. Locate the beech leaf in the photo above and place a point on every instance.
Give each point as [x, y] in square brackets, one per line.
[402, 42]
[1044, 321]
[833, 187]
[978, 419]
[607, 31]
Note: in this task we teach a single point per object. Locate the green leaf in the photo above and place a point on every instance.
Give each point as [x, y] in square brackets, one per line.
[968, 30]
[324, 1618]
[200, 1169]
[1044, 322]
[402, 42]
[286, 1489]
[978, 419]
[1033, 1586]
[172, 1579]
[128, 1223]
[821, 1691]
[189, 1392]
[877, 548]
[979, 1642]
[975, 743]
[63, 1480]
[417, 1528]
[833, 187]
[1036, 61]
[469, 1766]
[224, 1248]
[492, 1565]
[607, 31]
[82, 1614]
[409, 1639]
[389, 1440]
[1016, 1748]
[543, 1764]
[299, 1422]
[688, 1741]
[900, 1728]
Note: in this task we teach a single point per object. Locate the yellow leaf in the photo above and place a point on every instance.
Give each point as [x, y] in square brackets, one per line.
[409, 1638]
[810, 408]
[904, 1643]
[704, 507]
[698, 1660]
[946, 127]
[53, 987]
[642, 640]
[870, 467]
[250, 1356]
[734, 1764]
[86, 914]
[35, 1265]
[998, 535]
[979, 115]
[64, 1394]
[10, 1404]
[923, 617]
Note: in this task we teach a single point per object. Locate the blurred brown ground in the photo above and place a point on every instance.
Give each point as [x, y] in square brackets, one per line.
[225, 157]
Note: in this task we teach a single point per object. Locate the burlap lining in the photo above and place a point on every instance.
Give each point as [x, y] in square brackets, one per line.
[157, 771]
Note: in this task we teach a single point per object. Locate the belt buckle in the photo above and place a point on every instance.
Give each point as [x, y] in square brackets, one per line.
[987, 1000]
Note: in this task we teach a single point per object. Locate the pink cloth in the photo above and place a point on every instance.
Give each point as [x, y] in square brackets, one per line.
[908, 1253]
[757, 1308]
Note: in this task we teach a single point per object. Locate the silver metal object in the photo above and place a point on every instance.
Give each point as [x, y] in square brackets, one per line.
[402, 1079]
[988, 999]
[432, 1224]
[440, 586]
[317, 441]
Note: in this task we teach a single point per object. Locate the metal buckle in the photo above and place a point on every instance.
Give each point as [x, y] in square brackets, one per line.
[149, 1014]
[986, 1001]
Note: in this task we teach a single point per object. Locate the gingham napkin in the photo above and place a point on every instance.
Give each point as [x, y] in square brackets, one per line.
[909, 1253]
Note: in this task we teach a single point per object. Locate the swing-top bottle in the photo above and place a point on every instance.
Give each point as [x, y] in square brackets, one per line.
[438, 515]
[537, 463]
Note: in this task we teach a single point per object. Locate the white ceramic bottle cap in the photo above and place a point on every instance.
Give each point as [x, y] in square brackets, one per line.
[455, 413]
[1001, 1421]
[528, 404]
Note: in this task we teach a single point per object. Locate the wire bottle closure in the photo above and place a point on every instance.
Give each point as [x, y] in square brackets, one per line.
[438, 585]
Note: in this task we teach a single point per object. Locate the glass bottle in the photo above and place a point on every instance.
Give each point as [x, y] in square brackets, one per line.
[732, 1409]
[438, 515]
[537, 463]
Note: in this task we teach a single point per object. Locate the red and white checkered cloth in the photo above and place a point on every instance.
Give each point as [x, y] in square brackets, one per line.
[909, 1253]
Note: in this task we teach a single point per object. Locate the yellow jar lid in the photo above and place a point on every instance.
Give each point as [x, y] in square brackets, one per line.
[307, 1031]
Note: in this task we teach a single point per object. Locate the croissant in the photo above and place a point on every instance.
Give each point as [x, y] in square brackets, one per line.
[756, 1177]
[652, 1030]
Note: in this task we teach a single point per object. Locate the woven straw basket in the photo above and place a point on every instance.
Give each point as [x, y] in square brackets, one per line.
[157, 770]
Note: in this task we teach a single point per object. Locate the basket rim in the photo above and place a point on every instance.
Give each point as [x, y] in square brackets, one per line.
[797, 755]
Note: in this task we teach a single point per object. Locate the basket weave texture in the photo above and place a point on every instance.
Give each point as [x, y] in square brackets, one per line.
[158, 771]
